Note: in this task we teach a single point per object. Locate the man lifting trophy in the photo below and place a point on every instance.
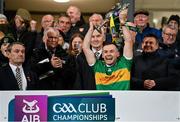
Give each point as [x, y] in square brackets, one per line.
[114, 25]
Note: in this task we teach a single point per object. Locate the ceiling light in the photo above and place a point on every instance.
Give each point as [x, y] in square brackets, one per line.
[62, 1]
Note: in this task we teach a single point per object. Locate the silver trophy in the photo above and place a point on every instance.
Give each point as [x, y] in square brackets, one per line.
[114, 11]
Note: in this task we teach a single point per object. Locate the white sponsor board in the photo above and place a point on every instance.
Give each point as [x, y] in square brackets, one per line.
[131, 106]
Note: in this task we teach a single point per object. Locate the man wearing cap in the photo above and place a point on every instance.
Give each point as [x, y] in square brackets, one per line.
[21, 32]
[141, 19]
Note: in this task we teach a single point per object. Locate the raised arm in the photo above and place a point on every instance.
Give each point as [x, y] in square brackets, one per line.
[128, 35]
[86, 46]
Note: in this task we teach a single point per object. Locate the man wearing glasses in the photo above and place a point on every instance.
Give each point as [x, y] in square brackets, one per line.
[169, 47]
[50, 64]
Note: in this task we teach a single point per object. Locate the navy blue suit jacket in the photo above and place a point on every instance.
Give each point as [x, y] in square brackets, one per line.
[9, 82]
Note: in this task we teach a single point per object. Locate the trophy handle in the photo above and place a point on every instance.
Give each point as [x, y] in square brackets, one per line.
[98, 28]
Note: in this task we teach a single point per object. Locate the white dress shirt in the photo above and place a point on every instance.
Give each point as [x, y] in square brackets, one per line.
[24, 81]
[99, 52]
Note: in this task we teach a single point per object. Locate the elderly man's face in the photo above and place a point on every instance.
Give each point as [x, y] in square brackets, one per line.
[96, 19]
[47, 21]
[169, 36]
[74, 13]
[149, 45]
[141, 20]
[52, 40]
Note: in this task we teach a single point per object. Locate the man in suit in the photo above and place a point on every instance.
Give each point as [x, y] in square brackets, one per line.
[85, 77]
[13, 75]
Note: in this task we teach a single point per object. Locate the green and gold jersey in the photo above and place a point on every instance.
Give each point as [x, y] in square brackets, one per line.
[116, 77]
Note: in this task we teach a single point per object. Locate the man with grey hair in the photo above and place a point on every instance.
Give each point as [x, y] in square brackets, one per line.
[85, 77]
[169, 34]
[77, 21]
[46, 21]
[168, 47]
[3, 19]
[50, 62]
[5, 28]
[96, 19]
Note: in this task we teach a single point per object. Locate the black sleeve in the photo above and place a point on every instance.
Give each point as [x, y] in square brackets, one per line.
[171, 81]
[78, 80]
[38, 67]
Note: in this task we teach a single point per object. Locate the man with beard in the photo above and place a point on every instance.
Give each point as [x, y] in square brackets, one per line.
[114, 72]
[150, 71]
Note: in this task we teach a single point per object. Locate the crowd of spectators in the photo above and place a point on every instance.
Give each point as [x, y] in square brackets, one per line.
[70, 54]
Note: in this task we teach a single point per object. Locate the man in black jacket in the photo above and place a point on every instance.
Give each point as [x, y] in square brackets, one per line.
[169, 48]
[150, 71]
[51, 63]
[21, 33]
[78, 24]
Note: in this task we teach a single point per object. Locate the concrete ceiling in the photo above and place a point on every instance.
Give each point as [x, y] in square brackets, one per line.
[88, 6]
[160, 5]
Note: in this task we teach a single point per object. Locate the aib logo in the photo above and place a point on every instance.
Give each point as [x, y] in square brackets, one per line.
[31, 108]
